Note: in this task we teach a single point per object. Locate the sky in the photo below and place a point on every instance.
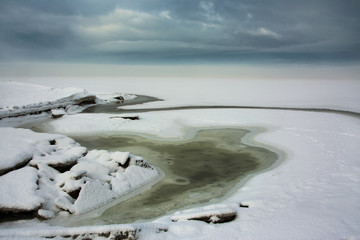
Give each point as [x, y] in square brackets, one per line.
[158, 32]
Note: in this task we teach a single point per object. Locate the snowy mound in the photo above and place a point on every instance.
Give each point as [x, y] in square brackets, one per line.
[19, 99]
[50, 174]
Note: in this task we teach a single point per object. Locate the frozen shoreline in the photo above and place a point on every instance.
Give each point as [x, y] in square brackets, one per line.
[314, 132]
[159, 158]
[312, 195]
[61, 176]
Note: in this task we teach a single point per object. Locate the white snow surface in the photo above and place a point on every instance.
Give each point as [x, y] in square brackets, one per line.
[211, 210]
[19, 190]
[340, 94]
[16, 148]
[22, 94]
[21, 98]
[113, 97]
[312, 193]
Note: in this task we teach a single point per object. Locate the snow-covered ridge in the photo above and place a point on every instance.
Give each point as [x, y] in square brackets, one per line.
[51, 174]
[18, 99]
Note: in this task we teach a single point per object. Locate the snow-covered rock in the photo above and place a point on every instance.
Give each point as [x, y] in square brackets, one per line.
[92, 195]
[57, 113]
[217, 213]
[19, 191]
[121, 157]
[60, 175]
[17, 149]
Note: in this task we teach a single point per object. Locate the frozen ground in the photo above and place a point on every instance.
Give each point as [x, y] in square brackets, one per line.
[313, 193]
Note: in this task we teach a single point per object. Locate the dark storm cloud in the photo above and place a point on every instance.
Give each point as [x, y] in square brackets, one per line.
[187, 30]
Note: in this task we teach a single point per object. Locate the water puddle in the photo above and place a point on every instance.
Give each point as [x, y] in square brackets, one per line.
[197, 170]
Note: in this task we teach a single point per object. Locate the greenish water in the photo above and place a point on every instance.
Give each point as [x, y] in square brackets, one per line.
[198, 170]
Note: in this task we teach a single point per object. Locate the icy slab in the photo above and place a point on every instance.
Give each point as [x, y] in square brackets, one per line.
[62, 175]
[19, 191]
[113, 179]
[92, 195]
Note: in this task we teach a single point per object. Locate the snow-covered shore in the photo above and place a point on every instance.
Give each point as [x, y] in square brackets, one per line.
[21, 99]
[312, 194]
[24, 99]
[339, 94]
[52, 174]
[47, 174]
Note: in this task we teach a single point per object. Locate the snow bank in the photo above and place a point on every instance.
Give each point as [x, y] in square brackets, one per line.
[18, 99]
[60, 176]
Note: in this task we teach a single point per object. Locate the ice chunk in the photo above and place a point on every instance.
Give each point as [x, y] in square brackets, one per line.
[138, 176]
[120, 157]
[19, 190]
[46, 213]
[93, 170]
[92, 195]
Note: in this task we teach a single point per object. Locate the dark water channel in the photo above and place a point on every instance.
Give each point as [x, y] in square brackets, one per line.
[198, 170]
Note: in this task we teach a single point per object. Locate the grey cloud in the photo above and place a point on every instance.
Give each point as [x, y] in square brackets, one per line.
[143, 30]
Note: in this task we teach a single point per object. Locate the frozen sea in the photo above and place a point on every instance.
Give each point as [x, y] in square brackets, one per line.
[312, 194]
